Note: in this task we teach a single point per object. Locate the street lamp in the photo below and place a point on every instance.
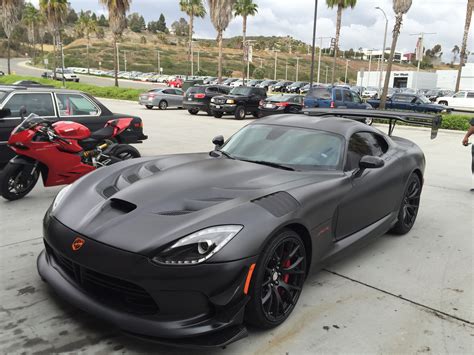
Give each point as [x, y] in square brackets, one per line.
[125, 59]
[276, 61]
[347, 68]
[158, 64]
[297, 67]
[320, 51]
[311, 76]
[383, 48]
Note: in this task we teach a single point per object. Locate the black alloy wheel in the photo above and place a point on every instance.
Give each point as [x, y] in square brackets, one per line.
[279, 280]
[409, 207]
[16, 181]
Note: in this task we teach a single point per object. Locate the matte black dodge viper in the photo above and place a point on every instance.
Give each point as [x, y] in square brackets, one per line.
[189, 248]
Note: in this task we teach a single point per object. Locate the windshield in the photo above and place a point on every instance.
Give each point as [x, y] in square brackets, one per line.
[424, 100]
[298, 148]
[320, 93]
[30, 121]
[241, 91]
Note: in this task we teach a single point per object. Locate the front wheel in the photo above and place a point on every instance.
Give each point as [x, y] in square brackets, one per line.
[409, 207]
[278, 280]
[217, 115]
[125, 152]
[149, 106]
[193, 111]
[163, 105]
[368, 121]
[239, 113]
[16, 181]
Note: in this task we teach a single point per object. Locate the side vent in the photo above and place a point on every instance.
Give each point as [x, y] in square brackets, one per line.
[122, 205]
[110, 191]
[278, 203]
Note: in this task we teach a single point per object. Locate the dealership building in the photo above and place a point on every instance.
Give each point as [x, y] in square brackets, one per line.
[443, 79]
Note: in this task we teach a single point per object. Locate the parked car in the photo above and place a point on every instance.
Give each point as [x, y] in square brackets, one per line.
[175, 83]
[462, 100]
[304, 89]
[254, 83]
[236, 83]
[162, 98]
[281, 86]
[433, 95]
[266, 84]
[229, 81]
[59, 105]
[284, 103]
[334, 97]
[410, 102]
[189, 248]
[216, 81]
[239, 102]
[358, 89]
[370, 93]
[209, 79]
[68, 75]
[198, 98]
[31, 83]
[294, 88]
[2, 73]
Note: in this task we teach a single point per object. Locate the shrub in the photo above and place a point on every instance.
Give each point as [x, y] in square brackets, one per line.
[456, 122]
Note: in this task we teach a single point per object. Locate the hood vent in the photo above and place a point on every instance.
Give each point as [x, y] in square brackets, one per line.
[122, 205]
[278, 203]
[175, 213]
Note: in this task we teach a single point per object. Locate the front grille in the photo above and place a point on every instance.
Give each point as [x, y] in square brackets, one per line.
[120, 294]
[219, 101]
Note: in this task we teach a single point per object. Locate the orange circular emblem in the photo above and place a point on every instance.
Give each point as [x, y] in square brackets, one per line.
[77, 244]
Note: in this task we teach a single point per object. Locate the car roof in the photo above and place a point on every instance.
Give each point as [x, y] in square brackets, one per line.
[337, 125]
[35, 89]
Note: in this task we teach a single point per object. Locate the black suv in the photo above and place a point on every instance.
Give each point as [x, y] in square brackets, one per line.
[197, 98]
[239, 102]
[58, 105]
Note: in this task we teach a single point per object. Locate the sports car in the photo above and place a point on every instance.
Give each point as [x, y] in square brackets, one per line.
[190, 248]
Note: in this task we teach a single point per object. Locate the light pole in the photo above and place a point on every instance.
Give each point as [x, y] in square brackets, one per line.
[276, 62]
[420, 50]
[319, 57]
[125, 59]
[297, 67]
[286, 70]
[249, 56]
[383, 48]
[311, 76]
[327, 70]
[347, 68]
[370, 66]
[62, 62]
[158, 64]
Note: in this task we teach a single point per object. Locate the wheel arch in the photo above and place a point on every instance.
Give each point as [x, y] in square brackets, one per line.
[303, 232]
[418, 172]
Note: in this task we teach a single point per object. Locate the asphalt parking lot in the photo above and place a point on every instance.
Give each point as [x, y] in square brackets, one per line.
[404, 294]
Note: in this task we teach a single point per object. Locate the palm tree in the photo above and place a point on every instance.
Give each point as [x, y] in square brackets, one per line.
[85, 27]
[117, 23]
[341, 5]
[245, 8]
[400, 7]
[221, 14]
[30, 19]
[55, 12]
[42, 29]
[455, 52]
[462, 56]
[10, 17]
[192, 8]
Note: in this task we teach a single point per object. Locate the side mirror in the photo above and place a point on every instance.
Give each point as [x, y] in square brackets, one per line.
[218, 141]
[23, 112]
[5, 112]
[370, 162]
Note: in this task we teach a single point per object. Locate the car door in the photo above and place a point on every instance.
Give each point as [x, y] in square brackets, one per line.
[337, 98]
[374, 191]
[347, 99]
[254, 99]
[172, 98]
[40, 103]
[468, 102]
[357, 101]
[77, 107]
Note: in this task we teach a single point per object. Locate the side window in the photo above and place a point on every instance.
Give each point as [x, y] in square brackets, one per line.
[364, 143]
[178, 92]
[75, 105]
[168, 92]
[460, 94]
[470, 95]
[356, 98]
[38, 103]
[212, 90]
[347, 96]
[338, 95]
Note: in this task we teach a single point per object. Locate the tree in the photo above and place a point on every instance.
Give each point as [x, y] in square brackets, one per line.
[55, 12]
[259, 73]
[117, 22]
[341, 5]
[455, 52]
[463, 56]
[161, 24]
[71, 16]
[10, 17]
[30, 20]
[245, 8]
[400, 7]
[180, 27]
[221, 14]
[136, 23]
[102, 21]
[192, 8]
[42, 28]
[86, 26]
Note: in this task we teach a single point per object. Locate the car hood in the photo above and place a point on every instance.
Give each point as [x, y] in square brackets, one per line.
[232, 97]
[143, 204]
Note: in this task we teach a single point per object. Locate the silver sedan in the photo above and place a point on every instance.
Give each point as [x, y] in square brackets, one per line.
[162, 98]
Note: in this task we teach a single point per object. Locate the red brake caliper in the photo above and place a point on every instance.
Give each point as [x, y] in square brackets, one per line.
[286, 277]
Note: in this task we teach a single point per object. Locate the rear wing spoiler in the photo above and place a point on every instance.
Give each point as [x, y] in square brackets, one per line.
[412, 118]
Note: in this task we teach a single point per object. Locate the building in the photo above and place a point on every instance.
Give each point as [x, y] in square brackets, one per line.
[447, 78]
[377, 55]
[399, 79]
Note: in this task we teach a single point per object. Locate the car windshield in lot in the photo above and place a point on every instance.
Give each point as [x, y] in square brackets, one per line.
[289, 148]
[241, 91]
[423, 99]
[196, 89]
[320, 93]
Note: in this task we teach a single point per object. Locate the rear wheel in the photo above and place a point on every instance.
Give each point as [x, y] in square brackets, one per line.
[240, 113]
[193, 111]
[368, 121]
[125, 152]
[163, 105]
[149, 106]
[278, 280]
[443, 103]
[257, 114]
[218, 115]
[409, 207]
[16, 181]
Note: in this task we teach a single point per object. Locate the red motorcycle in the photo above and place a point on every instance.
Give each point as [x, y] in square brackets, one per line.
[61, 151]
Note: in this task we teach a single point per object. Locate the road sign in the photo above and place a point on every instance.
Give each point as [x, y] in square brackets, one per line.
[46, 61]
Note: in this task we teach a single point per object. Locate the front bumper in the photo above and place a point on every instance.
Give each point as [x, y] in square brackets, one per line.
[223, 108]
[204, 304]
[189, 105]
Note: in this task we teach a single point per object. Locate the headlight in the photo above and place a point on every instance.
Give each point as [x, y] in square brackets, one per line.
[59, 197]
[444, 111]
[212, 100]
[230, 102]
[197, 247]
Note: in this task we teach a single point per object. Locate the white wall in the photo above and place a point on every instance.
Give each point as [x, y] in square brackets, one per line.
[447, 78]
[426, 80]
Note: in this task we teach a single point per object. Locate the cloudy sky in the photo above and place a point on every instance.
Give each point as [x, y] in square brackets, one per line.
[361, 27]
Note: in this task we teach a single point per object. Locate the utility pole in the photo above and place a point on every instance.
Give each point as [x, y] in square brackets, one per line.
[327, 70]
[297, 68]
[276, 62]
[158, 64]
[62, 62]
[420, 51]
[199, 64]
[320, 52]
[347, 68]
[286, 70]
[383, 48]
[311, 76]
[192, 58]
[125, 59]
[370, 66]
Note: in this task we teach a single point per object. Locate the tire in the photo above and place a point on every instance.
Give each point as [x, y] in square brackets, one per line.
[443, 103]
[163, 105]
[193, 111]
[13, 185]
[239, 113]
[274, 292]
[409, 206]
[149, 106]
[368, 121]
[257, 114]
[218, 115]
[125, 152]
[209, 112]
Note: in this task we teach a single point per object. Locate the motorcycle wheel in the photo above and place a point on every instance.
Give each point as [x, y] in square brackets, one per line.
[125, 152]
[16, 182]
